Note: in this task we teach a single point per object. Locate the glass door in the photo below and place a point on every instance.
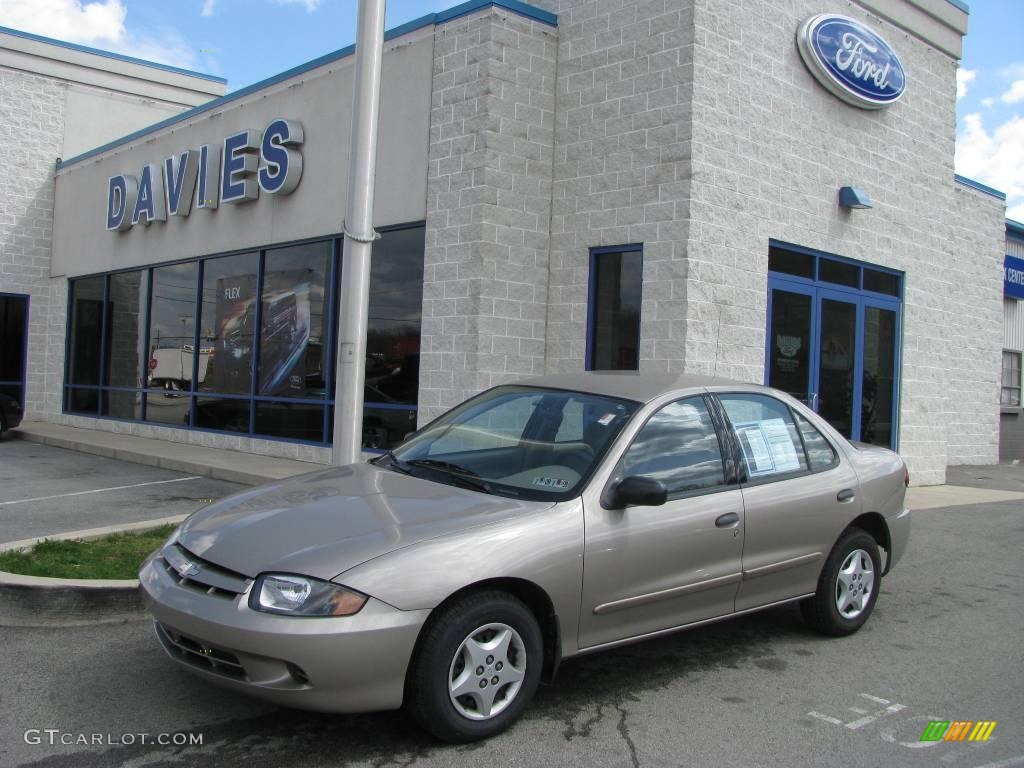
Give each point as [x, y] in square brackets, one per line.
[836, 350]
[837, 383]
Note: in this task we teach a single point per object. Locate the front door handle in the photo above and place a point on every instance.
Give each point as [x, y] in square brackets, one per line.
[726, 520]
[846, 494]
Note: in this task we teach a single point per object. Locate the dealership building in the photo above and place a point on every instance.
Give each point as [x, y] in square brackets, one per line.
[730, 188]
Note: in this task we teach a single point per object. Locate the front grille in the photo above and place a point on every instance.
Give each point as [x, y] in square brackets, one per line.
[198, 575]
[200, 654]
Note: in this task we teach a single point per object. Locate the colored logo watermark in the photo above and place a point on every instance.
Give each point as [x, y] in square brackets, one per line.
[958, 730]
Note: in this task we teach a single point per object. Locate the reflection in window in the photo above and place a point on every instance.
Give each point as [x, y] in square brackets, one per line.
[172, 326]
[396, 307]
[678, 447]
[126, 331]
[614, 343]
[13, 332]
[85, 339]
[820, 453]
[766, 434]
[228, 323]
[294, 321]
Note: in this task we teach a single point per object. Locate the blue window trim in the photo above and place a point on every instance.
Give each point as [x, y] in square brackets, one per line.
[24, 347]
[818, 290]
[592, 288]
[332, 276]
[112, 55]
[431, 19]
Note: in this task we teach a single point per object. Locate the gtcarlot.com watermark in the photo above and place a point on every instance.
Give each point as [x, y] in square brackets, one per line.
[55, 736]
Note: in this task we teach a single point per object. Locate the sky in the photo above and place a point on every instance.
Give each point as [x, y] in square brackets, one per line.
[229, 38]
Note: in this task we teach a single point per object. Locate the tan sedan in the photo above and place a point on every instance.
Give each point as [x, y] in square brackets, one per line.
[534, 522]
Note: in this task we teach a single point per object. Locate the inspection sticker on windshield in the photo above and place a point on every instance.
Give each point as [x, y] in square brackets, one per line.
[550, 482]
[607, 419]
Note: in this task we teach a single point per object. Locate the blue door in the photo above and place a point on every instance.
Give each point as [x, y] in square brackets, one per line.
[13, 345]
[835, 345]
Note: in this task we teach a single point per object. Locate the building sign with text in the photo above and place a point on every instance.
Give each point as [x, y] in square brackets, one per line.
[233, 172]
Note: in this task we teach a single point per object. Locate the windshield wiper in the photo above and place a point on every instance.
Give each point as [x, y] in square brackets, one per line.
[395, 463]
[467, 477]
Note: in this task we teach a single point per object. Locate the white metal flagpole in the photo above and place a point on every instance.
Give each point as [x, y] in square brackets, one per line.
[359, 237]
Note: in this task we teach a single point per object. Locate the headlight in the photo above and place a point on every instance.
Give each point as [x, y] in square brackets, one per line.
[303, 596]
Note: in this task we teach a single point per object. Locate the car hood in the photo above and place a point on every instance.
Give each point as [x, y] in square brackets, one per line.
[326, 522]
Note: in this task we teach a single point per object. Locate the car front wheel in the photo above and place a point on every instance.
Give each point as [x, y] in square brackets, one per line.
[476, 668]
[847, 588]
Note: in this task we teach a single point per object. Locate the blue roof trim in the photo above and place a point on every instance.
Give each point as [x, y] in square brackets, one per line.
[979, 186]
[959, 4]
[1014, 228]
[430, 19]
[111, 55]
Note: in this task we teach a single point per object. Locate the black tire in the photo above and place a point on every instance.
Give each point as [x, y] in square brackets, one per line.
[821, 611]
[427, 698]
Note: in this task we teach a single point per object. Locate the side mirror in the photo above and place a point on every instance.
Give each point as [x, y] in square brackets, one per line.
[637, 491]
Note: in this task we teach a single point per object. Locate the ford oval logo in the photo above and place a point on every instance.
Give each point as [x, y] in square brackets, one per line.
[851, 61]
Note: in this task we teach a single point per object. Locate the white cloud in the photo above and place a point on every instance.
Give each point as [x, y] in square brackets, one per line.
[101, 24]
[995, 158]
[1015, 94]
[1016, 212]
[988, 102]
[208, 7]
[310, 5]
[964, 77]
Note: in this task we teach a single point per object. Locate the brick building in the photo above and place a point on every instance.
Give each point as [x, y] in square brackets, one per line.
[669, 185]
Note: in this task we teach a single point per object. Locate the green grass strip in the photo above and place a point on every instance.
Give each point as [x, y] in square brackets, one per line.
[117, 556]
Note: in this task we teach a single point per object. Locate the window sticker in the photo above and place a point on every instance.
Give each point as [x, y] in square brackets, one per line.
[551, 482]
[767, 447]
[607, 419]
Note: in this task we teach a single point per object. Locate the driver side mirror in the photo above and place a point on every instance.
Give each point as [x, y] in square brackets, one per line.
[636, 491]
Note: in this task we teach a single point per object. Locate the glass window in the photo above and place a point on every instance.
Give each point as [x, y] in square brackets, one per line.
[126, 321]
[820, 453]
[228, 323]
[614, 343]
[396, 307]
[1011, 385]
[679, 447]
[879, 383]
[294, 421]
[881, 282]
[766, 434]
[13, 326]
[172, 327]
[839, 272]
[791, 262]
[503, 442]
[789, 353]
[86, 332]
[293, 322]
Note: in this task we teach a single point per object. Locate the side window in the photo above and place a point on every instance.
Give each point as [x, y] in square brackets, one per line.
[820, 453]
[766, 435]
[679, 447]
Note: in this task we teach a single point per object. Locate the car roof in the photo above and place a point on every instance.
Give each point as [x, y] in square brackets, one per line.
[632, 385]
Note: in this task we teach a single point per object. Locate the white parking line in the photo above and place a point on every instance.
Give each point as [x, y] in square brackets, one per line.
[98, 490]
[826, 718]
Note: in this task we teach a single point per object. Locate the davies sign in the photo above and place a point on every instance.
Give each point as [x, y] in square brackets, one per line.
[851, 61]
[233, 172]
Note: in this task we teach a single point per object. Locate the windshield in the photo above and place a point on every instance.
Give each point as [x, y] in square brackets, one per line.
[527, 442]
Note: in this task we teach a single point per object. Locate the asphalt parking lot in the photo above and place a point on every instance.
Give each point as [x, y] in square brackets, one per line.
[46, 490]
[943, 644]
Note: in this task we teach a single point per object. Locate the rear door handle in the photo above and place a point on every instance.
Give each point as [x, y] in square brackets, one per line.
[726, 520]
[846, 494]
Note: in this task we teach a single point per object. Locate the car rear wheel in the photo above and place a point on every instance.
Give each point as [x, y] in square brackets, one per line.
[847, 588]
[476, 668]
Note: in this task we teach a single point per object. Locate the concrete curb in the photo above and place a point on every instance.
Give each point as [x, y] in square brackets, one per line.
[38, 601]
[219, 464]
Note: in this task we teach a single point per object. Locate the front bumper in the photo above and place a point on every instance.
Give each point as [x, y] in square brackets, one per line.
[346, 664]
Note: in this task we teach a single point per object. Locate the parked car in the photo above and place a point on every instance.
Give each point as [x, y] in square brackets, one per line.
[534, 522]
[10, 413]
